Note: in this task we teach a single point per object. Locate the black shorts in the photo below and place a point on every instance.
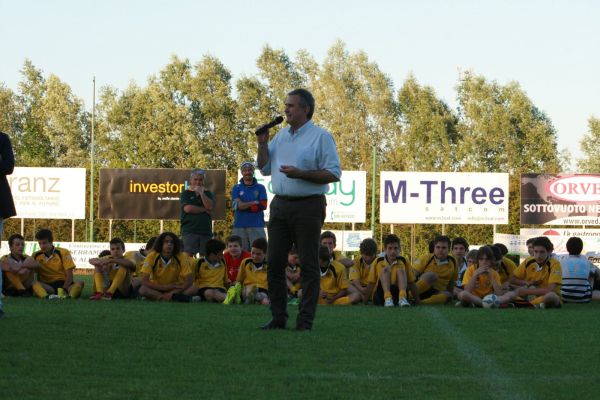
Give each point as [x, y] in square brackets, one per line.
[428, 293]
[55, 285]
[378, 296]
[204, 289]
[118, 295]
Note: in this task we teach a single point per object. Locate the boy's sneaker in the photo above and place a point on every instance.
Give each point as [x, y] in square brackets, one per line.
[231, 292]
[540, 305]
[238, 293]
[196, 299]
[389, 302]
[53, 297]
[96, 296]
[294, 301]
[107, 296]
[402, 302]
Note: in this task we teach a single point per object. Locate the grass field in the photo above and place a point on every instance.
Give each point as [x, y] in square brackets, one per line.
[79, 349]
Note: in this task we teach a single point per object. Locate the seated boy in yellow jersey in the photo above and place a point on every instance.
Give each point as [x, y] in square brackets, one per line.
[436, 276]
[334, 284]
[481, 279]
[391, 276]
[252, 276]
[166, 270]
[292, 274]
[504, 266]
[328, 239]
[210, 275]
[359, 272]
[19, 269]
[138, 257]
[117, 269]
[56, 268]
[539, 278]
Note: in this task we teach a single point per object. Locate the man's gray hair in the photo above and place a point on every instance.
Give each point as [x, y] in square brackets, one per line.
[306, 100]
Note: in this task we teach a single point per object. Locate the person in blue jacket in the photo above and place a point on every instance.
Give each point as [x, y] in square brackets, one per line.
[249, 199]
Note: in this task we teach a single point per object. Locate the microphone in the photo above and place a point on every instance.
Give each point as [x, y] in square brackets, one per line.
[264, 128]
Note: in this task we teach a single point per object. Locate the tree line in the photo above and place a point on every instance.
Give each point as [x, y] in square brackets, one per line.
[197, 115]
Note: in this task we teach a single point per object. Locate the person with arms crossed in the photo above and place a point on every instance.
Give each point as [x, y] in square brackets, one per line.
[196, 221]
[302, 160]
[117, 269]
[19, 270]
[249, 199]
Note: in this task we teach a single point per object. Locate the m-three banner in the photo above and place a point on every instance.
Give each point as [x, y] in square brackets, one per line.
[443, 198]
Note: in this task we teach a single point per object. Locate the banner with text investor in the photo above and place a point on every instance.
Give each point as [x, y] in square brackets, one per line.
[443, 198]
[153, 193]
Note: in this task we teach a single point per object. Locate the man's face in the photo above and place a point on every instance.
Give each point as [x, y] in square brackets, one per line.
[116, 251]
[295, 114]
[368, 258]
[234, 249]
[293, 259]
[168, 246]
[196, 180]
[540, 254]
[329, 242]
[459, 251]
[392, 251]
[45, 245]
[17, 247]
[258, 255]
[248, 173]
[440, 250]
[530, 249]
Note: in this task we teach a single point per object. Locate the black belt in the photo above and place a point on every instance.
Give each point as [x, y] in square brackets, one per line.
[298, 198]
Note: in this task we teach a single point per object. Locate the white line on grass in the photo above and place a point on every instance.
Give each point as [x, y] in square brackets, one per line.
[502, 385]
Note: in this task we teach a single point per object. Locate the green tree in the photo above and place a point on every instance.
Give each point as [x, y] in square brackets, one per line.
[590, 147]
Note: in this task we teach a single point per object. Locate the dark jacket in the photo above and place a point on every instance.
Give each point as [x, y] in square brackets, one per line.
[7, 165]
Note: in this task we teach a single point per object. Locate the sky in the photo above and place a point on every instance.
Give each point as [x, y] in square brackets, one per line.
[550, 47]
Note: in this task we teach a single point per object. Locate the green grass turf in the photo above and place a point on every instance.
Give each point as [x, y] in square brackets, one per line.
[125, 349]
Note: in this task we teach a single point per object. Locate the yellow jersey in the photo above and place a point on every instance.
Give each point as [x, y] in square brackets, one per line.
[172, 272]
[53, 268]
[506, 269]
[250, 274]
[333, 280]
[114, 268]
[381, 262]
[445, 270]
[296, 268]
[22, 278]
[549, 272]
[360, 270]
[483, 286]
[207, 275]
[138, 259]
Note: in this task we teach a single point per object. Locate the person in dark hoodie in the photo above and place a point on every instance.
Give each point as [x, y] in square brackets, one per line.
[7, 206]
[249, 199]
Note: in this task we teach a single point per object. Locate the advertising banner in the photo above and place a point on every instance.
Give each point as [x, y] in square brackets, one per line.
[443, 198]
[560, 199]
[346, 199]
[350, 240]
[49, 193]
[559, 237]
[153, 193]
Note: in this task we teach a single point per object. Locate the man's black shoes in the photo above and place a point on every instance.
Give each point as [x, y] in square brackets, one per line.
[274, 324]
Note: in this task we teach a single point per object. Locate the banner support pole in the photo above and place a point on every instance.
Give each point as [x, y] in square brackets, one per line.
[110, 229]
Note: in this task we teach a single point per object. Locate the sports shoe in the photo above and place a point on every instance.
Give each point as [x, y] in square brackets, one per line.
[402, 302]
[389, 302]
[540, 305]
[238, 293]
[107, 296]
[294, 301]
[96, 296]
[196, 299]
[231, 292]
[53, 297]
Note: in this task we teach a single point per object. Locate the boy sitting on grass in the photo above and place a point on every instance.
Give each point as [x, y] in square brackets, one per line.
[481, 279]
[56, 269]
[118, 271]
[392, 276]
[19, 269]
[334, 285]
[252, 276]
[539, 278]
[359, 272]
[166, 270]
